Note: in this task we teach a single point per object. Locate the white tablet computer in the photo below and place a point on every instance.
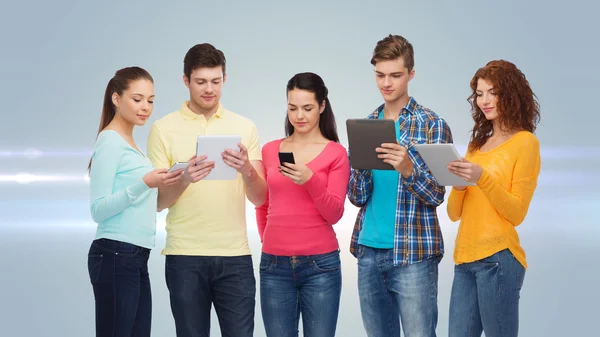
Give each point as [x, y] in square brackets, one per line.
[212, 146]
[437, 157]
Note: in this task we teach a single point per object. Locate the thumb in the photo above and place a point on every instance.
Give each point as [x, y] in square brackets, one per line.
[161, 170]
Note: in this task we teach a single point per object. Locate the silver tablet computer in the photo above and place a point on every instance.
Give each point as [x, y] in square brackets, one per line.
[364, 135]
[212, 146]
[437, 157]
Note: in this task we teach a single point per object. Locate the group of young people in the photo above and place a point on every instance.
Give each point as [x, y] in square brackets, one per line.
[397, 239]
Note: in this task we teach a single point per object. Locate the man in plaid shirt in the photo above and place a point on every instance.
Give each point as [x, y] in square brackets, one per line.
[397, 238]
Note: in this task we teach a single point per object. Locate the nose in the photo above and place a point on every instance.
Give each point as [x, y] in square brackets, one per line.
[146, 106]
[209, 87]
[386, 81]
[299, 115]
[485, 99]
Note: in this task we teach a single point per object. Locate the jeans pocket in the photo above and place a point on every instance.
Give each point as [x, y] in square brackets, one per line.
[95, 266]
[266, 262]
[327, 263]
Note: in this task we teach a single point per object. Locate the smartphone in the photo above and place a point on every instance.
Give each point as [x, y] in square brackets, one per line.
[177, 166]
[286, 157]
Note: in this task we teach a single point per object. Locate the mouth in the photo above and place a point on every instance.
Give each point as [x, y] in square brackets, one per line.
[207, 98]
[144, 117]
[488, 109]
[387, 91]
[300, 124]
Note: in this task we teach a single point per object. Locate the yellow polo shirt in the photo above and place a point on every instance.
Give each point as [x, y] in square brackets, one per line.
[209, 219]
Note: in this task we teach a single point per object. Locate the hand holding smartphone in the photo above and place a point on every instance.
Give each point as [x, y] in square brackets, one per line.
[177, 166]
[286, 157]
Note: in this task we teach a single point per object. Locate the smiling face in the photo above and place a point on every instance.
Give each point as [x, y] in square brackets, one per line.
[487, 99]
[304, 111]
[205, 85]
[392, 78]
[136, 103]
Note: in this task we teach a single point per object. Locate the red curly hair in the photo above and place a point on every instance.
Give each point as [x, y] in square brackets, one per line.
[517, 105]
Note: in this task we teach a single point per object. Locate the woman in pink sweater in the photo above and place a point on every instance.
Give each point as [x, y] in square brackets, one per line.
[300, 270]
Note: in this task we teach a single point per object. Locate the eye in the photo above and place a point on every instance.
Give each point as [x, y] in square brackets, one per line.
[308, 110]
[397, 76]
[151, 102]
[137, 100]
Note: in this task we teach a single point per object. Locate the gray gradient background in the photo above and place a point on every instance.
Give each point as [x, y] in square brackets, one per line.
[56, 58]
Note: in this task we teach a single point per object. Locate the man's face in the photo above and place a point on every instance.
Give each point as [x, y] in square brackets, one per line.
[392, 79]
[205, 86]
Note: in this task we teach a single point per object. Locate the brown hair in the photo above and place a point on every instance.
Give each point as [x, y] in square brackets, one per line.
[517, 105]
[393, 47]
[203, 55]
[118, 84]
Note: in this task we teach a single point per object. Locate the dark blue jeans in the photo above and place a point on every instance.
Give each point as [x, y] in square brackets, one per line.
[119, 275]
[485, 297]
[197, 282]
[291, 286]
[393, 296]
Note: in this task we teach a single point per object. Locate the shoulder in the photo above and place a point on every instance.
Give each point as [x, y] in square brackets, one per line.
[241, 120]
[167, 120]
[272, 146]
[337, 149]
[527, 140]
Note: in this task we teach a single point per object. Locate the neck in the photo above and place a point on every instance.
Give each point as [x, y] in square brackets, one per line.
[392, 109]
[312, 136]
[498, 131]
[198, 110]
[122, 126]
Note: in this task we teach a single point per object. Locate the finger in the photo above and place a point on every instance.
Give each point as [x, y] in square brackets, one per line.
[390, 156]
[161, 170]
[392, 146]
[286, 174]
[242, 147]
[289, 171]
[196, 160]
[291, 166]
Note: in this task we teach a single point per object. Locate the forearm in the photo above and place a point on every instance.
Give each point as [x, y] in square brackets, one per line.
[455, 204]
[359, 187]
[168, 195]
[423, 186]
[110, 205]
[256, 188]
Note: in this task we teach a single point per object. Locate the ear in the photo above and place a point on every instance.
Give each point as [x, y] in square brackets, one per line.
[322, 107]
[411, 75]
[116, 99]
[224, 78]
[186, 81]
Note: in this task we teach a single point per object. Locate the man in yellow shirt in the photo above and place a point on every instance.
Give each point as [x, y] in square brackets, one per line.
[208, 260]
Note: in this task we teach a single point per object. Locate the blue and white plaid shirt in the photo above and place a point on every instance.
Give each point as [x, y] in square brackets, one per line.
[417, 235]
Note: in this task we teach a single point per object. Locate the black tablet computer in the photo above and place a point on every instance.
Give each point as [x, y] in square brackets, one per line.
[364, 136]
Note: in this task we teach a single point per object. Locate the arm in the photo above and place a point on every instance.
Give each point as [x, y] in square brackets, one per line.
[262, 211]
[329, 196]
[421, 183]
[360, 186]
[513, 205]
[256, 188]
[157, 153]
[104, 202]
[455, 204]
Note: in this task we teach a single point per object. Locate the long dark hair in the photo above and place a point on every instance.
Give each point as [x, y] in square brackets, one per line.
[118, 84]
[518, 106]
[312, 82]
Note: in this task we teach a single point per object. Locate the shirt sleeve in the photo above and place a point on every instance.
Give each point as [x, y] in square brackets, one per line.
[157, 149]
[455, 203]
[105, 202]
[514, 204]
[421, 182]
[254, 145]
[329, 195]
[263, 210]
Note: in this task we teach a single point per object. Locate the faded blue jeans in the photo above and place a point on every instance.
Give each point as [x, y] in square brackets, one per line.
[291, 286]
[485, 297]
[393, 296]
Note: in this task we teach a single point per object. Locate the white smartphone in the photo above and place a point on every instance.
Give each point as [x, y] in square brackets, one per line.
[177, 166]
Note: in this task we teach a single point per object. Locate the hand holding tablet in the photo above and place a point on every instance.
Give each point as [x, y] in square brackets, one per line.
[438, 157]
[213, 146]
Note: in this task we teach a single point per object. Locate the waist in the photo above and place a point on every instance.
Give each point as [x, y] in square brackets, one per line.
[117, 247]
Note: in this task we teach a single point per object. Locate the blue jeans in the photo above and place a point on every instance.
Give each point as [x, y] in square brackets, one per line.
[294, 285]
[485, 297]
[196, 283]
[393, 295]
[119, 275]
